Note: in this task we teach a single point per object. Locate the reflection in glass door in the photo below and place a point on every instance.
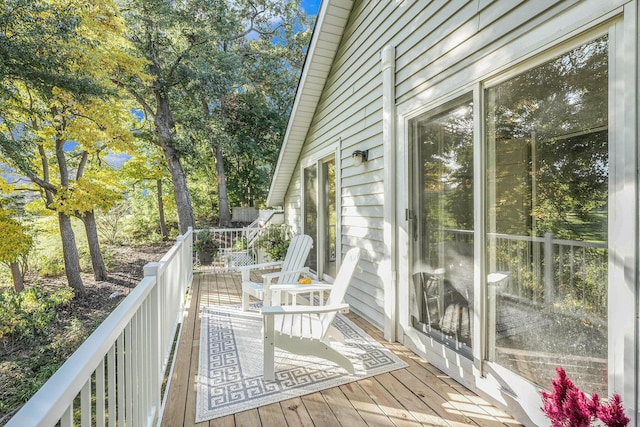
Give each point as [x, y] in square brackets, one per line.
[310, 177]
[320, 216]
[547, 183]
[329, 236]
[442, 224]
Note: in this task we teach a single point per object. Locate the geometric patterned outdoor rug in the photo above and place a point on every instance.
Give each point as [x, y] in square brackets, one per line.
[230, 374]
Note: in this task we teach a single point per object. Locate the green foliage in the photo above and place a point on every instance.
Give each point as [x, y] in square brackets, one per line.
[5, 275]
[15, 241]
[204, 194]
[240, 244]
[21, 378]
[227, 87]
[554, 117]
[33, 32]
[29, 313]
[141, 223]
[275, 241]
[205, 243]
[47, 258]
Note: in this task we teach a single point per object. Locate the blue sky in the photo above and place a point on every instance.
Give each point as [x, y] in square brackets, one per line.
[311, 6]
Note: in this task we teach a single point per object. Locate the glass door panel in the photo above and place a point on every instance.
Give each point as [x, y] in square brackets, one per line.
[311, 212]
[442, 224]
[330, 217]
[320, 216]
[547, 191]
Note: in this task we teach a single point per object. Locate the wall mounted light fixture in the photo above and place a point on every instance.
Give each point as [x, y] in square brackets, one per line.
[360, 157]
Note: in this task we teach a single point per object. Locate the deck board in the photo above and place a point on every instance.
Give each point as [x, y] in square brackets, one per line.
[342, 408]
[319, 410]
[417, 395]
[296, 413]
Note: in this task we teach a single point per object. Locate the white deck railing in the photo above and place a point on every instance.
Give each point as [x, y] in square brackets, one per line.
[236, 247]
[115, 377]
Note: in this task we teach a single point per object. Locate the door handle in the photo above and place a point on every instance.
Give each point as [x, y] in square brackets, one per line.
[411, 219]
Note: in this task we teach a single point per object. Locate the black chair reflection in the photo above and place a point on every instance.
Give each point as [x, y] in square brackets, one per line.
[443, 307]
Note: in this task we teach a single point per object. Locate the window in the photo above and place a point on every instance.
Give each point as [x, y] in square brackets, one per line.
[329, 236]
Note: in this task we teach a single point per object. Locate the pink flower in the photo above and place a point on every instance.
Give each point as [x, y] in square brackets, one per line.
[576, 408]
[567, 406]
[613, 414]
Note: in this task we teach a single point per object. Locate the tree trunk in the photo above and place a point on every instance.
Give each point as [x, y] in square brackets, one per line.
[180, 190]
[70, 253]
[165, 127]
[69, 247]
[18, 279]
[163, 223]
[99, 269]
[223, 201]
[224, 214]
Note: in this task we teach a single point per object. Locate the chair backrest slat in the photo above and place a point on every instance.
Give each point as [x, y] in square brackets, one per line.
[340, 285]
[297, 254]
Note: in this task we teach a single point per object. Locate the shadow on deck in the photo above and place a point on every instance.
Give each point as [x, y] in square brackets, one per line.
[417, 395]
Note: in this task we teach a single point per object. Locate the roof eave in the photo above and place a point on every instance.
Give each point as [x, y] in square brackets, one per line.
[333, 14]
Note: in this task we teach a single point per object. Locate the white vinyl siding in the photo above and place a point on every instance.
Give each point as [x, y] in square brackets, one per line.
[443, 50]
[440, 47]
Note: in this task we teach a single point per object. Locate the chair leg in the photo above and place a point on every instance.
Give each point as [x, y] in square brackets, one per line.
[268, 332]
[336, 357]
[308, 347]
[336, 335]
[245, 301]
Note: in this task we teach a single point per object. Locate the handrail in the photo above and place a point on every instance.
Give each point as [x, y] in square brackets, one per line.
[123, 361]
[47, 406]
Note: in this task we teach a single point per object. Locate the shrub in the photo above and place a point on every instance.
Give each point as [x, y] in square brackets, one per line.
[275, 241]
[29, 313]
[205, 243]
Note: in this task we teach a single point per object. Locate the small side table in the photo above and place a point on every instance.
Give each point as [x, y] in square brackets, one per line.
[287, 294]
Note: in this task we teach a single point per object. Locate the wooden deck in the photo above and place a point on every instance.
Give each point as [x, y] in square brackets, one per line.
[417, 395]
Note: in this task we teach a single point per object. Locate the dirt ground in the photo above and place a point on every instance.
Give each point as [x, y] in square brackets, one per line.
[126, 272]
[125, 268]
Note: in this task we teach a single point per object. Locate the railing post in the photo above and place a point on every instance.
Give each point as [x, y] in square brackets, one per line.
[150, 269]
[189, 255]
[181, 267]
[549, 286]
[156, 351]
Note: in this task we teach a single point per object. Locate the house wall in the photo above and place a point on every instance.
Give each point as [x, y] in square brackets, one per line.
[437, 44]
[442, 49]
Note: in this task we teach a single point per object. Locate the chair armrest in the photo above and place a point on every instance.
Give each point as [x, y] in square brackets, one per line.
[301, 288]
[260, 266]
[271, 276]
[246, 269]
[303, 309]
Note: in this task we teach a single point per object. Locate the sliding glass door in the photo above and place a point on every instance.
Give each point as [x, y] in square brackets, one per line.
[543, 204]
[310, 225]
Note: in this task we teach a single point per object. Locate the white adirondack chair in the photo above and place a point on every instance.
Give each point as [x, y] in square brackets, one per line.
[307, 330]
[290, 270]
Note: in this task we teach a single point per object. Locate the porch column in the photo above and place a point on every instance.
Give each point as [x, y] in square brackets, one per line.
[390, 235]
